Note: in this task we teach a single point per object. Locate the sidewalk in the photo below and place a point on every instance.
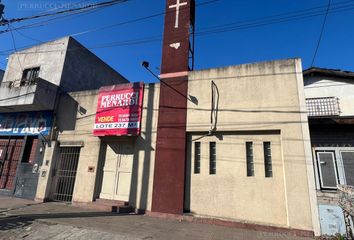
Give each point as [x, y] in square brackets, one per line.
[8, 202]
[30, 220]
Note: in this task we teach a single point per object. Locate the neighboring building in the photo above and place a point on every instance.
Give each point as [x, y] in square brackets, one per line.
[330, 103]
[2, 72]
[33, 99]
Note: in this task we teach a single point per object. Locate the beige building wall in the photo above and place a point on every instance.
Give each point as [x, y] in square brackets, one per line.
[229, 193]
[45, 179]
[254, 97]
[82, 133]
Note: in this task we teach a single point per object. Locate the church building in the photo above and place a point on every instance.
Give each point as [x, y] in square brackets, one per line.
[228, 145]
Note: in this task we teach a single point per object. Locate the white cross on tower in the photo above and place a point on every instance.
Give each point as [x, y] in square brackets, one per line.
[177, 6]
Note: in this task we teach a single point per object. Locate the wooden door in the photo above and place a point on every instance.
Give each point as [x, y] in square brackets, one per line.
[124, 172]
[117, 172]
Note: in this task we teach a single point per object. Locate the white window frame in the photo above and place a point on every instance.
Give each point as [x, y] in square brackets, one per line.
[342, 163]
[340, 167]
[334, 164]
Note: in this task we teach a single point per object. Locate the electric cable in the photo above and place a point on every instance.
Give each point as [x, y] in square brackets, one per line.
[97, 5]
[206, 32]
[321, 34]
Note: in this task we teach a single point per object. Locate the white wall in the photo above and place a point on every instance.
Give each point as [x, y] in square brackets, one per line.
[49, 57]
[332, 87]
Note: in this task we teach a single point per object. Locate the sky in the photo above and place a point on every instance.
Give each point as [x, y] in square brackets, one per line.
[277, 39]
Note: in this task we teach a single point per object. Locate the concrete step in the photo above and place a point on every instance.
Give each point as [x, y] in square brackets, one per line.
[99, 207]
[110, 206]
[111, 202]
[125, 209]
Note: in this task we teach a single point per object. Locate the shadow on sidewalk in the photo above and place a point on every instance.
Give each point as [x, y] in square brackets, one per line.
[23, 220]
[11, 223]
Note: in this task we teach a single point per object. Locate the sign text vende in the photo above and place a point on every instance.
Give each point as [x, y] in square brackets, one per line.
[119, 110]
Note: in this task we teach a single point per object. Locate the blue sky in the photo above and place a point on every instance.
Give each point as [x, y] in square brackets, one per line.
[234, 46]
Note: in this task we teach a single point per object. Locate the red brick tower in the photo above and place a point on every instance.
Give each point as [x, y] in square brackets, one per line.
[177, 60]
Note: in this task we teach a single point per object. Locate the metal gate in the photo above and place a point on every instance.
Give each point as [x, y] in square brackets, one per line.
[66, 173]
[10, 153]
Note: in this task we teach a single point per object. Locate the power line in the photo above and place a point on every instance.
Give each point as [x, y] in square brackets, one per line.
[210, 79]
[123, 23]
[321, 7]
[14, 43]
[28, 37]
[216, 29]
[321, 34]
[58, 8]
[202, 33]
[159, 14]
[96, 5]
[55, 19]
[116, 24]
[269, 21]
[137, 19]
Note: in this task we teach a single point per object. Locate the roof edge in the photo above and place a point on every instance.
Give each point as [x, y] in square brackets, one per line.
[316, 71]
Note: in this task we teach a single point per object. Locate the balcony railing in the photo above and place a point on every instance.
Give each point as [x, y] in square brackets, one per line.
[322, 107]
[21, 83]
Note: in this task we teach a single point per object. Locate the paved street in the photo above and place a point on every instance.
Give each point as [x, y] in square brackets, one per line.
[22, 219]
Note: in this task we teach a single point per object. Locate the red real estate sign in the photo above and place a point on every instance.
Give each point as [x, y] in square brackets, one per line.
[119, 110]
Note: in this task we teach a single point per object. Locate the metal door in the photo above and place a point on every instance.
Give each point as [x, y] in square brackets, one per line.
[328, 169]
[67, 163]
[10, 153]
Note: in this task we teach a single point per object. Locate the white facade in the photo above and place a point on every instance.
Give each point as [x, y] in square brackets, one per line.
[343, 89]
[330, 105]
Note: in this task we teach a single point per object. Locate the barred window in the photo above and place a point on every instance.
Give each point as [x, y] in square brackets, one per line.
[267, 159]
[212, 158]
[249, 159]
[29, 75]
[197, 157]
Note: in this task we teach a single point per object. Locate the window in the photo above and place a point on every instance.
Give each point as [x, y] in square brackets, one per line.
[212, 158]
[29, 75]
[327, 169]
[348, 164]
[335, 166]
[267, 159]
[249, 159]
[197, 157]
